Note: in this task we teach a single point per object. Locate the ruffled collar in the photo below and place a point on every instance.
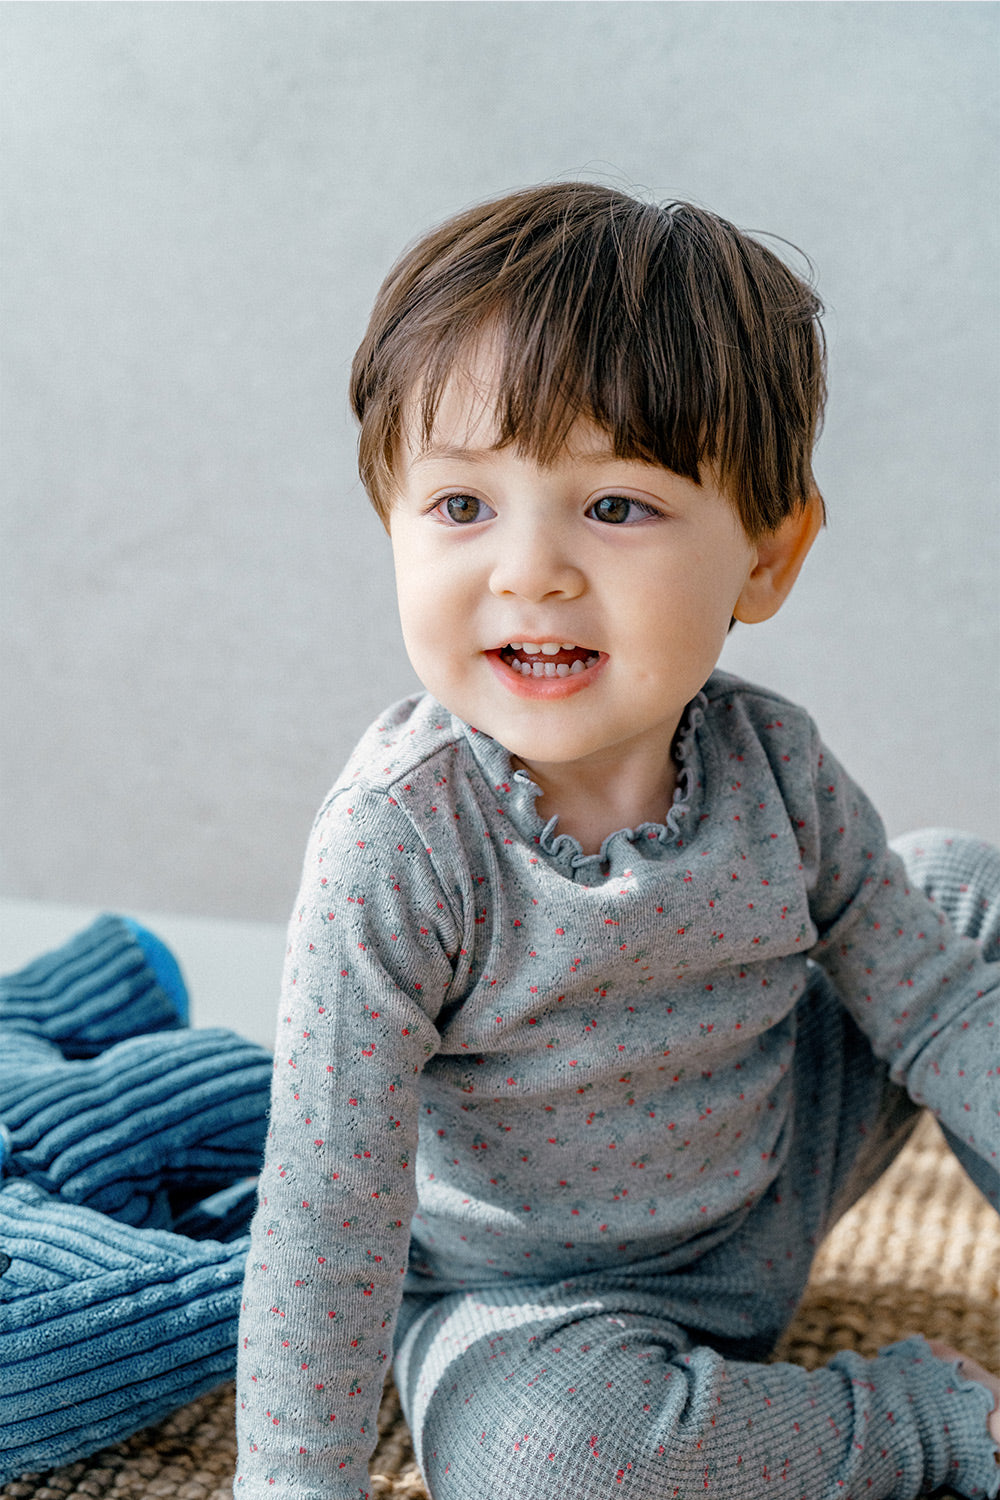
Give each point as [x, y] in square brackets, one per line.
[518, 793]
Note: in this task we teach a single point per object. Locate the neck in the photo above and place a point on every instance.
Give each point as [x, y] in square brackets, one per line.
[593, 800]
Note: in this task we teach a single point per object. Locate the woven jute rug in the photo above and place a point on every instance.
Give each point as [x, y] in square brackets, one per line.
[919, 1254]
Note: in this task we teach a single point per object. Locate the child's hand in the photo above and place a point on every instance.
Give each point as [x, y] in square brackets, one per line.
[969, 1369]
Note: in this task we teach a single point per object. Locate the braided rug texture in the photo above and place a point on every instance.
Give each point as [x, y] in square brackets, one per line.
[919, 1254]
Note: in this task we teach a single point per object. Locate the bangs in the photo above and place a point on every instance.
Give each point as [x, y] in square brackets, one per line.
[562, 348]
[687, 343]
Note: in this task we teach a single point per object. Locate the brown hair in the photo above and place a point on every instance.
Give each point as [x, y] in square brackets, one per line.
[688, 342]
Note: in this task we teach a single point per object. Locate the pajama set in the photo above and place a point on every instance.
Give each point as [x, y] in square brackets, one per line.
[564, 1130]
[561, 1133]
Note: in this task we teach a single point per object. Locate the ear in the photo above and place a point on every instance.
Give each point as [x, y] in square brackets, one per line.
[780, 555]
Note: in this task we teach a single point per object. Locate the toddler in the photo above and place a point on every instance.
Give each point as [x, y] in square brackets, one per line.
[604, 996]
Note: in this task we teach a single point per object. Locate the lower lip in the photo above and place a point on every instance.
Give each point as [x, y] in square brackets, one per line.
[544, 688]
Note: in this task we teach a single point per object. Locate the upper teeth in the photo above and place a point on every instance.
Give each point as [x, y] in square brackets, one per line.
[547, 648]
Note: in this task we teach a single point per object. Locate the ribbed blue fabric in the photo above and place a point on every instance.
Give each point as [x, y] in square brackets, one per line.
[177, 1112]
[126, 1189]
[103, 1328]
[96, 989]
[164, 965]
[223, 1216]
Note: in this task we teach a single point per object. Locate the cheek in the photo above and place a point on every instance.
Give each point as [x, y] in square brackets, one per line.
[419, 624]
[714, 582]
[415, 582]
[684, 598]
[434, 626]
[412, 595]
[681, 617]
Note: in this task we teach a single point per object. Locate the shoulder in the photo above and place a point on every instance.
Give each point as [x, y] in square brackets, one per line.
[365, 839]
[760, 748]
[739, 712]
[408, 741]
[397, 787]
[763, 744]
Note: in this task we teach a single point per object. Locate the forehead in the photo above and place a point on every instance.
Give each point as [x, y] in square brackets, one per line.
[465, 396]
[468, 423]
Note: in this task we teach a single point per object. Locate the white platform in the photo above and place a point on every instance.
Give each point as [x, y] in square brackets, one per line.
[232, 969]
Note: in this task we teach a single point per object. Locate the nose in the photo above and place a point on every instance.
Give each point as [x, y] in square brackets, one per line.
[534, 563]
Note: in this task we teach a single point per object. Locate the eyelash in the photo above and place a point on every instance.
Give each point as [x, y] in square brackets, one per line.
[637, 505]
[440, 509]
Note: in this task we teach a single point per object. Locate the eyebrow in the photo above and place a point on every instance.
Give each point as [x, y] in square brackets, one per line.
[451, 452]
[473, 455]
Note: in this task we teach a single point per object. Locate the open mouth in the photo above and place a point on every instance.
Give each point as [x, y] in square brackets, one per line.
[548, 658]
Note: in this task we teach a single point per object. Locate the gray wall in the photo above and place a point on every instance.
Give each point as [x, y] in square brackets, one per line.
[201, 201]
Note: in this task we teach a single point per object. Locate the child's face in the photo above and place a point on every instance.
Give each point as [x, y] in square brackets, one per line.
[631, 571]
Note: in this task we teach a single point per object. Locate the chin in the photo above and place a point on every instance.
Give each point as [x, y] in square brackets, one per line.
[539, 749]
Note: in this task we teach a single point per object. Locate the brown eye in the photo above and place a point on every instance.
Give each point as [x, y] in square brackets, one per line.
[463, 509]
[616, 510]
[619, 510]
[612, 508]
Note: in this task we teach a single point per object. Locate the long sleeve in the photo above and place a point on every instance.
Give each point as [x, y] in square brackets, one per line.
[366, 969]
[923, 994]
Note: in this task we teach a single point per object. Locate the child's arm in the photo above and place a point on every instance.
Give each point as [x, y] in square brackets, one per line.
[926, 997]
[365, 973]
